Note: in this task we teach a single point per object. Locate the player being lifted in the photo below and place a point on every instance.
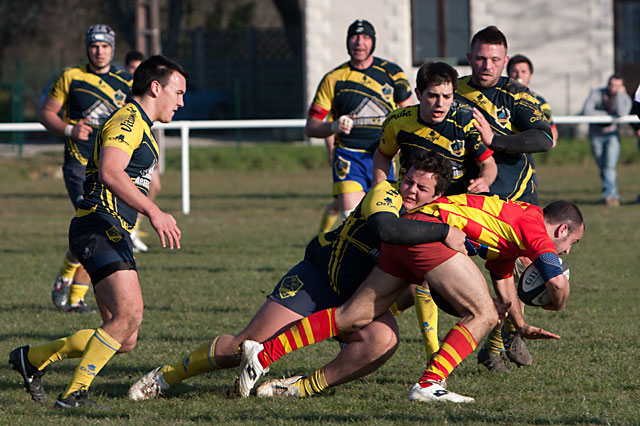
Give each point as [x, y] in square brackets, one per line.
[87, 95]
[357, 96]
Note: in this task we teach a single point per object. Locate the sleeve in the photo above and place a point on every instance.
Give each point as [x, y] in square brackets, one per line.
[383, 197]
[123, 130]
[60, 88]
[528, 113]
[534, 235]
[388, 141]
[401, 86]
[622, 105]
[323, 101]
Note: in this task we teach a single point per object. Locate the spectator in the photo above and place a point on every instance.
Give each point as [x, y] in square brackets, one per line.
[605, 140]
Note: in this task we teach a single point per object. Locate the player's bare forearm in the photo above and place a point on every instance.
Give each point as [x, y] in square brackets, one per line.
[381, 166]
[506, 291]
[558, 289]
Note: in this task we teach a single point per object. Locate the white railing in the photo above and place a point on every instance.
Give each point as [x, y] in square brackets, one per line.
[186, 126]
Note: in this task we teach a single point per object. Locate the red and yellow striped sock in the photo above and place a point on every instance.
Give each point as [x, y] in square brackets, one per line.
[315, 328]
[456, 346]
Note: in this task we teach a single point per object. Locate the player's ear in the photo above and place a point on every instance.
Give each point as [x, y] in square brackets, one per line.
[417, 93]
[562, 230]
[155, 87]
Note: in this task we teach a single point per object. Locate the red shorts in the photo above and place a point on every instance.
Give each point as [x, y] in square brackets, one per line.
[413, 262]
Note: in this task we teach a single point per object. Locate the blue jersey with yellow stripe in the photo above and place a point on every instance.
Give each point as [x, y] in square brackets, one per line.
[455, 138]
[87, 95]
[510, 108]
[369, 95]
[129, 129]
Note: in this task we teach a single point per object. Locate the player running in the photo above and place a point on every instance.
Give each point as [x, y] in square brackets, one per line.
[87, 95]
[357, 96]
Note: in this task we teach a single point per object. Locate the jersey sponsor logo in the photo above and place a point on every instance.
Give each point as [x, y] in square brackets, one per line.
[144, 180]
[537, 116]
[119, 97]
[457, 147]
[393, 192]
[403, 113]
[289, 286]
[98, 113]
[387, 92]
[503, 116]
[370, 112]
[127, 125]
[342, 167]
[386, 202]
[114, 234]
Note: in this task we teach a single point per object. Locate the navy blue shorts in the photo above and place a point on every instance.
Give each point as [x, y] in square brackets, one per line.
[305, 289]
[353, 170]
[102, 247]
[73, 173]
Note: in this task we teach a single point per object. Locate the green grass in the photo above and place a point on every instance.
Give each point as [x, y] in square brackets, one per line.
[247, 227]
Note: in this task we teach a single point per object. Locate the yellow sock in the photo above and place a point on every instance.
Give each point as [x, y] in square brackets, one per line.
[494, 341]
[200, 361]
[328, 220]
[427, 314]
[100, 348]
[68, 347]
[68, 268]
[78, 291]
[508, 326]
[312, 385]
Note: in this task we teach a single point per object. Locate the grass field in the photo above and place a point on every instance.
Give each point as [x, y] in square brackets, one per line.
[248, 225]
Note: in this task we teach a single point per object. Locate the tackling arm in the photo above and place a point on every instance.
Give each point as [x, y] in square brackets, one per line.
[381, 167]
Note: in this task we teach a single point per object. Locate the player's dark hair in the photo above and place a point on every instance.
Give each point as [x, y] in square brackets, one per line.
[432, 162]
[564, 212]
[133, 55]
[436, 73]
[156, 68]
[489, 35]
[519, 59]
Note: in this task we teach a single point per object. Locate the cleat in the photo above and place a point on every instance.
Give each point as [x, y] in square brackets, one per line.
[250, 369]
[436, 392]
[30, 374]
[495, 362]
[282, 387]
[149, 386]
[138, 245]
[60, 291]
[516, 349]
[80, 307]
[78, 399]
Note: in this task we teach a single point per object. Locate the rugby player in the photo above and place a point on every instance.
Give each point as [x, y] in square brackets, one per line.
[520, 69]
[87, 95]
[335, 264]
[499, 230]
[118, 173]
[515, 127]
[357, 95]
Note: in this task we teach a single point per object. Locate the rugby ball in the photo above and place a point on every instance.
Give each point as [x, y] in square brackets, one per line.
[531, 286]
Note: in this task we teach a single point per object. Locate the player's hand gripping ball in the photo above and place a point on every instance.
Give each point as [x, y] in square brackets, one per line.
[531, 286]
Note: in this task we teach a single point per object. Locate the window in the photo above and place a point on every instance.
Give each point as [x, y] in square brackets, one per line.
[440, 31]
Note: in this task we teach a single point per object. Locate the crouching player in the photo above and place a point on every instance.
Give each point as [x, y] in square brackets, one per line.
[335, 264]
[497, 229]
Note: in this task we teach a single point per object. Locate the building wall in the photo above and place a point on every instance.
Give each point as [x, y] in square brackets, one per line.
[570, 42]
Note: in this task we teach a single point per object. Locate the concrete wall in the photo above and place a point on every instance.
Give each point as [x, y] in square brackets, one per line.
[569, 42]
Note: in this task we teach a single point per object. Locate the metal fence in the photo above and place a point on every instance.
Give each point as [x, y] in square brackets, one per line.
[186, 126]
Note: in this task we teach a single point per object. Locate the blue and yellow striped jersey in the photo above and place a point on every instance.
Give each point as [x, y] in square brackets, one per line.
[510, 108]
[370, 95]
[455, 138]
[87, 95]
[349, 252]
[129, 129]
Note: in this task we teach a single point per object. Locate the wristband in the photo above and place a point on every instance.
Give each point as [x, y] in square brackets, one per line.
[68, 130]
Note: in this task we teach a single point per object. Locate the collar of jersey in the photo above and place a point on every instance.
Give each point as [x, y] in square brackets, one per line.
[143, 114]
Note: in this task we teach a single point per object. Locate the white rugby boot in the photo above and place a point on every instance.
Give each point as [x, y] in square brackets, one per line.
[436, 392]
[282, 387]
[250, 369]
[149, 386]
